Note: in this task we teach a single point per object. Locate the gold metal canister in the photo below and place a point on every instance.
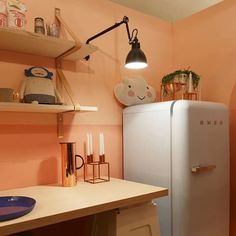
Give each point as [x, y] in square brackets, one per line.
[68, 158]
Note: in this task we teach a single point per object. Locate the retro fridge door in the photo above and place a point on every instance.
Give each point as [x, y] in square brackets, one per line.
[200, 169]
[146, 132]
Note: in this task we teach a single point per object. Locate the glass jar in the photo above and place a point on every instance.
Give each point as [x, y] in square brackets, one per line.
[39, 25]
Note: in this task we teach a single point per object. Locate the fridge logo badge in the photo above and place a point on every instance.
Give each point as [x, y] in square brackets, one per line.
[210, 122]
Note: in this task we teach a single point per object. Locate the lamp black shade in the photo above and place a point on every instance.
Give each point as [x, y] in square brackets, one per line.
[136, 58]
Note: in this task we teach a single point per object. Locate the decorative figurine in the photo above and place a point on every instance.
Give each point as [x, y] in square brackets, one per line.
[39, 88]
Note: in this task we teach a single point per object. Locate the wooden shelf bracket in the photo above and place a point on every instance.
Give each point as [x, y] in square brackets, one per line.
[78, 43]
[62, 81]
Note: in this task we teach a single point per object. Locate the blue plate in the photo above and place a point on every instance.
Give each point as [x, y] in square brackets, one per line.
[12, 207]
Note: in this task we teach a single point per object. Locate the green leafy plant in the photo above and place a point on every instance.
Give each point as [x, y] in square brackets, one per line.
[170, 78]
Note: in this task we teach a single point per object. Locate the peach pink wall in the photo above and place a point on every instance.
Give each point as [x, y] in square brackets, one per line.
[207, 43]
[29, 148]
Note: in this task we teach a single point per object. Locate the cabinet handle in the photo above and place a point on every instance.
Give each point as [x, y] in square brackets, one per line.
[199, 169]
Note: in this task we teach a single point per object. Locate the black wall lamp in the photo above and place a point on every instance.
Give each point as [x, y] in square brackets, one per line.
[135, 59]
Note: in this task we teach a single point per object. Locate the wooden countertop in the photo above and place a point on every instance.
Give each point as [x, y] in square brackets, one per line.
[56, 204]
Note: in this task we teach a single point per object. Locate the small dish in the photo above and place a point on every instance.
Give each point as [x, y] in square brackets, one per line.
[12, 207]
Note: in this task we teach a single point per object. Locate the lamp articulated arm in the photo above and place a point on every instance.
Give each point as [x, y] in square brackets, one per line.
[135, 59]
[124, 21]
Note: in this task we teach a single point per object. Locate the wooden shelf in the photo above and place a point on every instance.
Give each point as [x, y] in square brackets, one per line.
[42, 108]
[22, 41]
[41, 45]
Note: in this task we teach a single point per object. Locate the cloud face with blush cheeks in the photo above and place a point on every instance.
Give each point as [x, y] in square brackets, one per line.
[134, 90]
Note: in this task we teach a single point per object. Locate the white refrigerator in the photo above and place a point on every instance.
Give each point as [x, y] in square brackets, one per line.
[184, 146]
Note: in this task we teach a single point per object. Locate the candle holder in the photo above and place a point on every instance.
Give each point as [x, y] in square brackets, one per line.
[177, 91]
[102, 158]
[89, 158]
[96, 171]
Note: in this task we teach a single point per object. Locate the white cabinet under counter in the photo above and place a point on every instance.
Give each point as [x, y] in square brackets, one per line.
[55, 204]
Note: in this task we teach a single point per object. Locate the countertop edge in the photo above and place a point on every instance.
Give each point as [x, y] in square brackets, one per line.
[70, 215]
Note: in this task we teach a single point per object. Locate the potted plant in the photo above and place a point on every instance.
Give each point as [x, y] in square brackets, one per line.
[177, 79]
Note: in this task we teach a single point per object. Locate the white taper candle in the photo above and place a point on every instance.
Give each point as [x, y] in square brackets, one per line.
[91, 143]
[101, 144]
[88, 146]
[190, 83]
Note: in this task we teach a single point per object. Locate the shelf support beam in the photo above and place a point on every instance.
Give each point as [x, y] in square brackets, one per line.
[60, 129]
[60, 75]
[67, 87]
[78, 43]
[76, 106]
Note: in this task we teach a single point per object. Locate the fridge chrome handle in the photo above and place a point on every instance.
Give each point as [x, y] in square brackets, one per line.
[199, 169]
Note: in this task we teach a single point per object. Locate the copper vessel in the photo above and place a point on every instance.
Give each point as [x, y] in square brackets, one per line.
[69, 166]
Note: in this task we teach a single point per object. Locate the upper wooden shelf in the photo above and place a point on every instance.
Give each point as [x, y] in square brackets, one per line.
[41, 45]
[42, 108]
